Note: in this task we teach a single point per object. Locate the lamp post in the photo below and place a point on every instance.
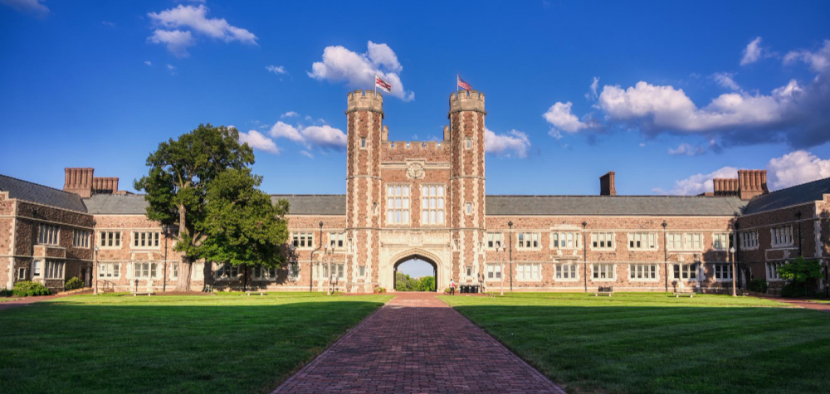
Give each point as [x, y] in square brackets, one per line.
[500, 250]
[329, 252]
[665, 256]
[585, 256]
[734, 291]
[95, 271]
[510, 224]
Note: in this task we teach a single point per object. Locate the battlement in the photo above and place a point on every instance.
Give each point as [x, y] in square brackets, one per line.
[416, 145]
[364, 100]
[467, 101]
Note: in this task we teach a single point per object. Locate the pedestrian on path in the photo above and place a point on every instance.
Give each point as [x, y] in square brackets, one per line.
[452, 286]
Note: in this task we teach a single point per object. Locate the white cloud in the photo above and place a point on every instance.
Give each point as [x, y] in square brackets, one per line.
[818, 61]
[687, 150]
[147, 62]
[796, 168]
[177, 41]
[282, 130]
[289, 114]
[306, 154]
[195, 19]
[559, 116]
[276, 69]
[514, 142]
[725, 80]
[699, 183]
[358, 70]
[593, 93]
[324, 136]
[171, 67]
[33, 7]
[752, 52]
[256, 140]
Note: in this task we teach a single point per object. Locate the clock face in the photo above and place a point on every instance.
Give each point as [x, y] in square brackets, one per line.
[415, 171]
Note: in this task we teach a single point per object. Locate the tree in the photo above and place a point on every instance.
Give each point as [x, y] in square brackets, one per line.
[177, 182]
[243, 228]
[803, 276]
[427, 283]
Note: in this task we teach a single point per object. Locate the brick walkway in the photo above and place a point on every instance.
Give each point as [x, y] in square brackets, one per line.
[417, 344]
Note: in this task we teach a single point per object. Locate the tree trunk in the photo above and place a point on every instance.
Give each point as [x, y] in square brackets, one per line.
[186, 266]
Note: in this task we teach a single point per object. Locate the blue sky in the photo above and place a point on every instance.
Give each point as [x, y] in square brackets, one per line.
[685, 91]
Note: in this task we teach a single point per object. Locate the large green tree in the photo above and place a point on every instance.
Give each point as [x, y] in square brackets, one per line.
[243, 227]
[179, 174]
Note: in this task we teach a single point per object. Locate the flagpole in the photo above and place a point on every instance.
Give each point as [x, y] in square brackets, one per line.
[376, 84]
[456, 83]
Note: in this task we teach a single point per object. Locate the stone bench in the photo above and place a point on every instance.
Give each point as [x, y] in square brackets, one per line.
[262, 293]
[678, 295]
[604, 291]
[144, 293]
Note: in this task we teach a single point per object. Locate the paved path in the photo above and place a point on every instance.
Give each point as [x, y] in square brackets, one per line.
[31, 300]
[806, 304]
[417, 344]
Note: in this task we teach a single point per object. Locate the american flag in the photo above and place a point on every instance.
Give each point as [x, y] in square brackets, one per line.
[463, 85]
[383, 85]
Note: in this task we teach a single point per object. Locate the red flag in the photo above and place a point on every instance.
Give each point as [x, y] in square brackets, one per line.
[463, 85]
[383, 85]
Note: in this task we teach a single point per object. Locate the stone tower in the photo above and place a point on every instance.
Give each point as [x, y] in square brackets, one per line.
[467, 182]
[364, 116]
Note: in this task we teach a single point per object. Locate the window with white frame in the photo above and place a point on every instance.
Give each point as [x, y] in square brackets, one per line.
[338, 270]
[528, 241]
[468, 208]
[109, 239]
[564, 271]
[265, 273]
[781, 236]
[685, 241]
[109, 270]
[227, 271]
[566, 240]
[603, 272]
[54, 269]
[493, 271]
[721, 241]
[468, 143]
[772, 270]
[21, 273]
[529, 271]
[642, 241]
[303, 240]
[145, 270]
[293, 271]
[432, 204]
[47, 234]
[602, 241]
[361, 271]
[749, 240]
[336, 240]
[80, 238]
[174, 270]
[723, 271]
[146, 239]
[37, 266]
[685, 271]
[642, 271]
[494, 240]
[397, 204]
[197, 271]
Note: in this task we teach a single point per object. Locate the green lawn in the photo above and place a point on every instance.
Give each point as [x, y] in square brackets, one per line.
[170, 344]
[655, 343]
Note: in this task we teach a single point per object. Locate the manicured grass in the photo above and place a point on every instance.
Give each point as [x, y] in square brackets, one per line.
[170, 344]
[655, 343]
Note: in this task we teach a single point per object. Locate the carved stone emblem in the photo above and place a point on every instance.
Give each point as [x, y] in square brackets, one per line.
[415, 171]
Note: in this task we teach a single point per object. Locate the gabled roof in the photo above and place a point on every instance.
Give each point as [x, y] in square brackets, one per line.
[313, 204]
[40, 194]
[614, 205]
[795, 195]
[116, 204]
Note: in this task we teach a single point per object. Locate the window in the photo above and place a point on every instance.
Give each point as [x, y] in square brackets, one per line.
[361, 271]
[432, 204]
[363, 143]
[47, 234]
[197, 271]
[566, 240]
[602, 240]
[781, 236]
[293, 271]
[749, 240]
[603, 271]
[529, 271]
[468, 143]
[642, 271]
[227, 271]
[469, 270]
[685, 241]
[528, 241]
[109, 270]
[265, 273]
[303, 240]
[642, 241]
[493, 271]
[772, 270]
[336, 240]
[397, 204]
[21, 273]
[468, 208]
[174, 270]
[685, 271]
[564, 271]
[146, 239]
[145, 270]
[723, 271]
[54, 269]
[37, 265]
[338, 271]
[721, 241]
[109, 239]
[80, 238]
[494, 240]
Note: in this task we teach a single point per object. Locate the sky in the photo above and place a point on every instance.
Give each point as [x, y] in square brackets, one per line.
[666, 94]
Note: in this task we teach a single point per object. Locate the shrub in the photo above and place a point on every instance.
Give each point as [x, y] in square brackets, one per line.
[803, 277]
[380, 290]
[794, 289]
[73, 283]
[27, 288]
[5, 293]
[758, 285]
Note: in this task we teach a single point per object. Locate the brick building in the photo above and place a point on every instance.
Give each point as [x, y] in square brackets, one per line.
[427, 200]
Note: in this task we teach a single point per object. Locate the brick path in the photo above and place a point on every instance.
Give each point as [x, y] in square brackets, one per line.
[417, 344]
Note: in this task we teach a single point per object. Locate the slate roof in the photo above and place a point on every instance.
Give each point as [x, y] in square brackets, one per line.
[313, 204]
[614, 205]
[807, 192]
[116, 204]
[40, 194]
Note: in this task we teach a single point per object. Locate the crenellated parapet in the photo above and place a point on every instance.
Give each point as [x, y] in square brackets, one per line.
[364, 100]
[467, 101]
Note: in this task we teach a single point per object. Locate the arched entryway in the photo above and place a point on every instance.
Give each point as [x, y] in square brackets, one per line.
[411, 258]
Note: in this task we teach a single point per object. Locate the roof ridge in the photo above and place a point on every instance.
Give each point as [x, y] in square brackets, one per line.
[593, 195]
[794, 186]
[38, 184]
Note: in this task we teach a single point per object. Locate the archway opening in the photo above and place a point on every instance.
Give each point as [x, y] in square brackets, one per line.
[415, 273]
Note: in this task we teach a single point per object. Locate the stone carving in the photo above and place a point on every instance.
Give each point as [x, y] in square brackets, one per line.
[415, 171]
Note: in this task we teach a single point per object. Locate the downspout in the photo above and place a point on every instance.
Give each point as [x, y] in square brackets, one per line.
[665, 256]
[585, 256]
[311, 260]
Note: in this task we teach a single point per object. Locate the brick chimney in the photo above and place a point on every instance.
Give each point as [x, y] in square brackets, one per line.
[752, 183]
[726, 187]
[78, 181]
[107, 185]
[606, 185]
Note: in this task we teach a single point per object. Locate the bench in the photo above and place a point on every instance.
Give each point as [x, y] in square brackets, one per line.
[262, 293]
[604, 291]
[678, 295]
[145, 293]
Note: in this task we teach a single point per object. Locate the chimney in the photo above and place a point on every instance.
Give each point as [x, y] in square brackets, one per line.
[726, 187]
[752, 183]
[78, 181]
[606, 185]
